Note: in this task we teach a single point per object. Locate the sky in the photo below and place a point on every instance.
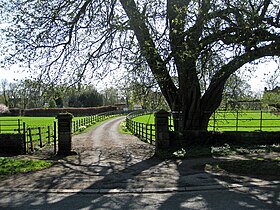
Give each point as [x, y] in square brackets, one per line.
[12, 74]
[256, 78]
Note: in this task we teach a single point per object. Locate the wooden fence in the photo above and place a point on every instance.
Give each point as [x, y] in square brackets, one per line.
[235, 120]
[248, 121]
[146, 132]
[11, 126]
[244, 121]
[39, 137]
[82, 123]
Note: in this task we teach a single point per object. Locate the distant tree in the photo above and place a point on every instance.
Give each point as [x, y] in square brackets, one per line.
[236, 90]
[143, 91]
[91, 98]
[272, 97]
[110, 96]
[52, 103]
[85, 96]
[30, 93]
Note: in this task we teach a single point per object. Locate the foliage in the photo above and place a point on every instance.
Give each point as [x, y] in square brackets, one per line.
[193, 40]
[111, 96]
[52, 103]
[123, 129]
[272, 97]
[26, 94]
[85, 96]
[144, 93]
[9, 166]
[236, 90]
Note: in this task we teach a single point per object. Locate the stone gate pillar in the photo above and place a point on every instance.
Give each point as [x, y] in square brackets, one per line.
[162, 130]
[65, 134]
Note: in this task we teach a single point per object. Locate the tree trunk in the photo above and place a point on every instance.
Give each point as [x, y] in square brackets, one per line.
[196, 119]
[191, 111]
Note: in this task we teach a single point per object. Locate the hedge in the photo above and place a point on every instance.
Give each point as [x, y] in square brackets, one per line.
[52, 112]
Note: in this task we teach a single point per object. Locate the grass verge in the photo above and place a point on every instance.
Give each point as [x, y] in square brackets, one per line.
[123, 129]
[10, 166]
[257, 166]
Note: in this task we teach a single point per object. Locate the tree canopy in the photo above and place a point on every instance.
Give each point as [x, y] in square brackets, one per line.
[201, 42]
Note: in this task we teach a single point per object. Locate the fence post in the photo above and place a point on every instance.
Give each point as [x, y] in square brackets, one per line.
[65, 134]
[261, 121]
[77, 125]
[136, 128]
[54, 136]
[142, 130]
[49, 134]
[162, 129]
[24, 137]
[236, 125]
[139, 129]
[151, 133]
[30, 138]
[40, 137]
[146, 130]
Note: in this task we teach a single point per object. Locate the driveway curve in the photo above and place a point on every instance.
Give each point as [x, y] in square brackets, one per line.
[106, 135]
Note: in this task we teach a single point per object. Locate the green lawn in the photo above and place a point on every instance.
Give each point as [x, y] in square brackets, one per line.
[9, 166]
[147, 119]
[227, 121]
[30, 121]
[245, 121]
[11, 123]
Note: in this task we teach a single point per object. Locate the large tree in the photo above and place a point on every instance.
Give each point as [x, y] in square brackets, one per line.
[194, 40]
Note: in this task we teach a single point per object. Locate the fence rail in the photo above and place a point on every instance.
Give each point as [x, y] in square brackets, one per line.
[39, 137]
[219, 121]
[7, 126]
[240, 121]
[146, 132]
[244, 121]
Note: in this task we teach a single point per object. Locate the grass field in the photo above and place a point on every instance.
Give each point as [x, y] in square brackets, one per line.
[8, 124]
[232, 121]
[32, 121]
